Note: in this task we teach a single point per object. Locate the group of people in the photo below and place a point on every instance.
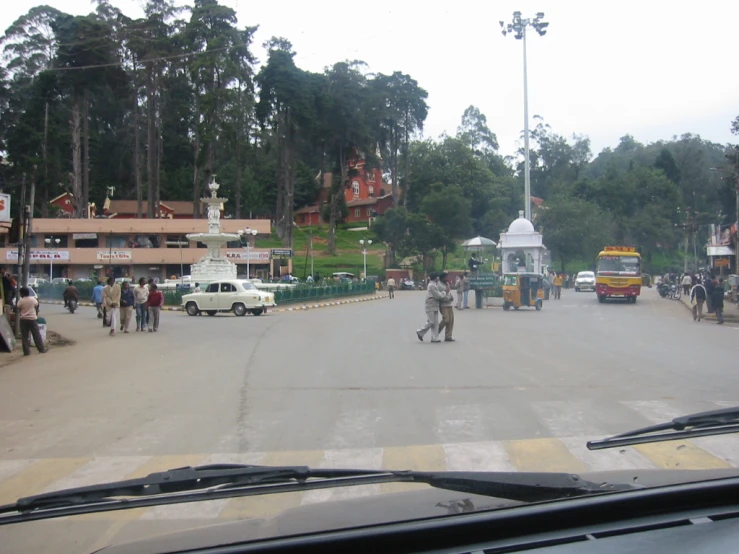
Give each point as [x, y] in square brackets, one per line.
[116, 305]
[708, 291]
[440, 300]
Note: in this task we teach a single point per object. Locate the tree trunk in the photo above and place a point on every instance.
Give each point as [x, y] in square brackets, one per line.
[151, 142]
[158, 175]
[336, 190]
[196, 178]
[45, 154]
[280, 176]
[137, 158]
[287, 238]
[237, 184]
[86, 157]
[76, 155]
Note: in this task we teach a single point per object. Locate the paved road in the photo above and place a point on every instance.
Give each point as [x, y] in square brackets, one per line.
[353, 386]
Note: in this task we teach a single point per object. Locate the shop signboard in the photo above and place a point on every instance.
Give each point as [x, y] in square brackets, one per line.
[40, 255]
[114, 256]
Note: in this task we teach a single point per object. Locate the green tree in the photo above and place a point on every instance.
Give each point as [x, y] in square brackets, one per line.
[447, 208]
[474, 131]
[392, 228]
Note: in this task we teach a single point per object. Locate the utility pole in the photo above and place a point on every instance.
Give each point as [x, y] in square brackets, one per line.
[21, 214]
[29, 231]
[518, 28]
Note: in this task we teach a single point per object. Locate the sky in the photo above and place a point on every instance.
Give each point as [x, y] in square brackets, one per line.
[653, 69]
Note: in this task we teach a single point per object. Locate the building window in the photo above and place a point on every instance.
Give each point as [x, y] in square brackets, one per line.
[371, 190]
[371, 176]
[355, 188]
[115, 242]
[357, 212]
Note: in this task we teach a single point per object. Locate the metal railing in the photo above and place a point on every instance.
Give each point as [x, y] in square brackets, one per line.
[56, 292]
[305, 293]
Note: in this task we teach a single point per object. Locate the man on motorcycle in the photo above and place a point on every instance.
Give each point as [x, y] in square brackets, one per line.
[70, 292]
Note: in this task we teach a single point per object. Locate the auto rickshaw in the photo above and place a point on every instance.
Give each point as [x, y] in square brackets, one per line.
[522, 289]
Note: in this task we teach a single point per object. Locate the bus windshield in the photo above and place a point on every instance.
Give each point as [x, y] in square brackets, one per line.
[620, 265]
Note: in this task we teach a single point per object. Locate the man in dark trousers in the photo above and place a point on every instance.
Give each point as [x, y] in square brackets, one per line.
[710, 284]
[717, 298]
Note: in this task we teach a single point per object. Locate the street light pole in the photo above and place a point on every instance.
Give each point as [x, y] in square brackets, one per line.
[50, 241]
[518, 27]
[364, 253]
[246, 233]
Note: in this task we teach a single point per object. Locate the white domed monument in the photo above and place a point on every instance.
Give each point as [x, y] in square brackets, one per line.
[214, 265]
[522, 247]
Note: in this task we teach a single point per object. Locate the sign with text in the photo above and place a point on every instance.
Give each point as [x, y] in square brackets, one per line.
[84, 236]
[244, 255]
[721, 262]
[277, 252]
[483, 281]
[40, 255]
[4, 207]
[114, 255]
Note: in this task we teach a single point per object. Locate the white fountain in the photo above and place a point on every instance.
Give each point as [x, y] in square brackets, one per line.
[213, 266]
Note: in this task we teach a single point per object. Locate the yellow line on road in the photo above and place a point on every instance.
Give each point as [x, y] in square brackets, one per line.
[421, 458]
[38, 476]
[271, 505]
[542, 455]
[680, 455]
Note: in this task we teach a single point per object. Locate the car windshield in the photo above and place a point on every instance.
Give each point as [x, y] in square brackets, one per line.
[258, 172]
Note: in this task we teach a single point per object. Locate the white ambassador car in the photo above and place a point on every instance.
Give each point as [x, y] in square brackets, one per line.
[585, 280]
[233, 295]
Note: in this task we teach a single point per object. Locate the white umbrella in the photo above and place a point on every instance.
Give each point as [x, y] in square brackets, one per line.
[478, 243]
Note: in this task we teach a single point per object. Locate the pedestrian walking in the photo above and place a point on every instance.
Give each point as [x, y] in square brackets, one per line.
[155, 301]
[128, 301]
[717, 298]
[29, 322]
[112, 301]
[710, 285]
[391, 287]
[466, 289]
[431, 306]
[687, 282]
[141, 296]
[697, 299]
[97, 299]
[557, 283]
[446, 308]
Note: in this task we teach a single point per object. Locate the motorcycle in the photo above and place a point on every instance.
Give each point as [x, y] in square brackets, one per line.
[663, 289]
[71, 305]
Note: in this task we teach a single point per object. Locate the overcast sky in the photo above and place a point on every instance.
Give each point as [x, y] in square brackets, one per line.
[652, 68]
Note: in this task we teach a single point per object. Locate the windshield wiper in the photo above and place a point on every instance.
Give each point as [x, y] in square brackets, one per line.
[702, 424]
[212, 482]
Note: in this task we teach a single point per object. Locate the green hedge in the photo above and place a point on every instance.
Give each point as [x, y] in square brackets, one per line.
[306, 293]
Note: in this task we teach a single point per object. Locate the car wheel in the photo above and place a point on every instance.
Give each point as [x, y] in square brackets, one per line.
[601, 298]
[506, 306]
[258, 311]
[192, 308]
[239, 310]
[577, 289]
[538, 304]
[211, 312]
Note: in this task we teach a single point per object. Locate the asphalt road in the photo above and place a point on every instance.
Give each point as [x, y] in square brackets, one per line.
[352, 386]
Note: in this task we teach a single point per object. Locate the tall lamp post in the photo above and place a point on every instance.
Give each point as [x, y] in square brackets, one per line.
[246, 233]
[51, 241]
[518, 28]
[364, 253]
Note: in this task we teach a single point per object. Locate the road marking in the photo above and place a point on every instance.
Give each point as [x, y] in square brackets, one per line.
[354, 428]
[459, 423]
[478, 456]
[270, 505]
[655, 411]
[542, 455]
[364, 458]
[37, 476]
[567, 418]
[679, 455]
[99, 470]
[11, 467]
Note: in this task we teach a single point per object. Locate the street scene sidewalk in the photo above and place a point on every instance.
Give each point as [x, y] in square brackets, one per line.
[731, 313]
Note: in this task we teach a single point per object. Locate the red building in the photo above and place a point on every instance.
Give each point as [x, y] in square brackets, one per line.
[127, 209]
[366, 195]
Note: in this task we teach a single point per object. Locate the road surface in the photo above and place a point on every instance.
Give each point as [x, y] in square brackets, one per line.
[352, 386]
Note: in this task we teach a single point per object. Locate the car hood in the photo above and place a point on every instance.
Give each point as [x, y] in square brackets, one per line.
[376, 510]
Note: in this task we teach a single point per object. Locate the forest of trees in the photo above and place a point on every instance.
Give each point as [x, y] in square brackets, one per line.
[158, 105]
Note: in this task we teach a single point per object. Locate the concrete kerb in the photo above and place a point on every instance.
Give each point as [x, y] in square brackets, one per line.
[296, 308]
[732, 317]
